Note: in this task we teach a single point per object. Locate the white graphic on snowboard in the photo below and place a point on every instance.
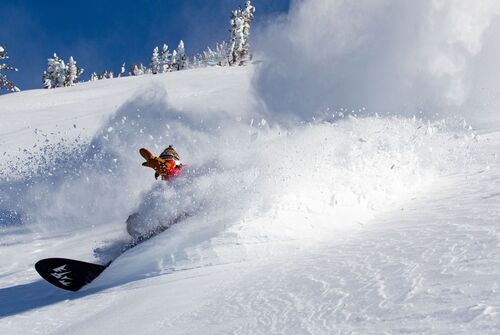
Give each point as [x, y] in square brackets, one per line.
[60, 273]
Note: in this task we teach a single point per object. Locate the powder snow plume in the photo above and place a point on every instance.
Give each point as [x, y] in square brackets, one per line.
[250, 180]
[433, 59]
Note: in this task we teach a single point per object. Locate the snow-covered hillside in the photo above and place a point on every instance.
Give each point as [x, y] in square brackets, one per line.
[299, 216]
[351, 224]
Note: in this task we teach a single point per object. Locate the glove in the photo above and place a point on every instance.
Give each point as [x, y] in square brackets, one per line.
[158, 164]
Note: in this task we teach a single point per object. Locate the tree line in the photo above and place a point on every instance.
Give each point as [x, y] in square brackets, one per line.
[235, 51]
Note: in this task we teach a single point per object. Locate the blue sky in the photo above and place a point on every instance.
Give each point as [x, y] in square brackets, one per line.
[101, 34]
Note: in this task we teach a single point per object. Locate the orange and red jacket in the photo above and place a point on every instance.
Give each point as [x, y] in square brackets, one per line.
[173, 170]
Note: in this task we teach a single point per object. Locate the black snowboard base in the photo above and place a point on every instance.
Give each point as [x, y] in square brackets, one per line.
[68, 274]
[72, 275]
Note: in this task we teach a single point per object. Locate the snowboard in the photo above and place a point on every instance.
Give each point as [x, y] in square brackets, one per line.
[72, 275]
[68, 274]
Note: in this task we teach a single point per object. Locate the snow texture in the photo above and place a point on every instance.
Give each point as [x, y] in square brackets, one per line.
[295, 221]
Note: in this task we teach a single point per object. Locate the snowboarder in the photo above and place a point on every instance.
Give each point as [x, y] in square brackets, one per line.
[167, 165]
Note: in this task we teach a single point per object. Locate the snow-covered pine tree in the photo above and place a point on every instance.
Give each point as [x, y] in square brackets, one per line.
[239, 48]
[60, 73]
[122, 70]
[55, 75]
[94, 76]
[165, 59]
[240, 38]
[108, 75]
[221, 50]
[213, 57]
[142, 69]
[46, 81]
[182, 60]
[73, 73]
[247, 16]
[137, 70]
[173, 61]
[236, 27]
[209, 57]
[4, 82]
[197, 60]
[155, 61]
[134, 70]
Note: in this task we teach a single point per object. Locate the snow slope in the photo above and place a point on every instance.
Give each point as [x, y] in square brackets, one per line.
[362, 224]
[313, 201]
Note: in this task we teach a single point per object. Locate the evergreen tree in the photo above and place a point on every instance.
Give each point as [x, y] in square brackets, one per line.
[94, 76]
[209, 57]
[46, 81]
[165, 59]
[55, 75]
[172, 64]
[240, 38]
[239, 48]
[137, 70]
[247, 16]
[155, 62]
[142, 69]
[182, 60]
[217, 56]
[107, 75]
[73, 73]
[4, 82]
[122, 70]
[60, 73]
[134, 70]
[197, 59]
[233, 49]
[221, 50]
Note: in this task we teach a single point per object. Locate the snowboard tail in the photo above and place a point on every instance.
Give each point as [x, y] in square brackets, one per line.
[72, 275]
[68, 274]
